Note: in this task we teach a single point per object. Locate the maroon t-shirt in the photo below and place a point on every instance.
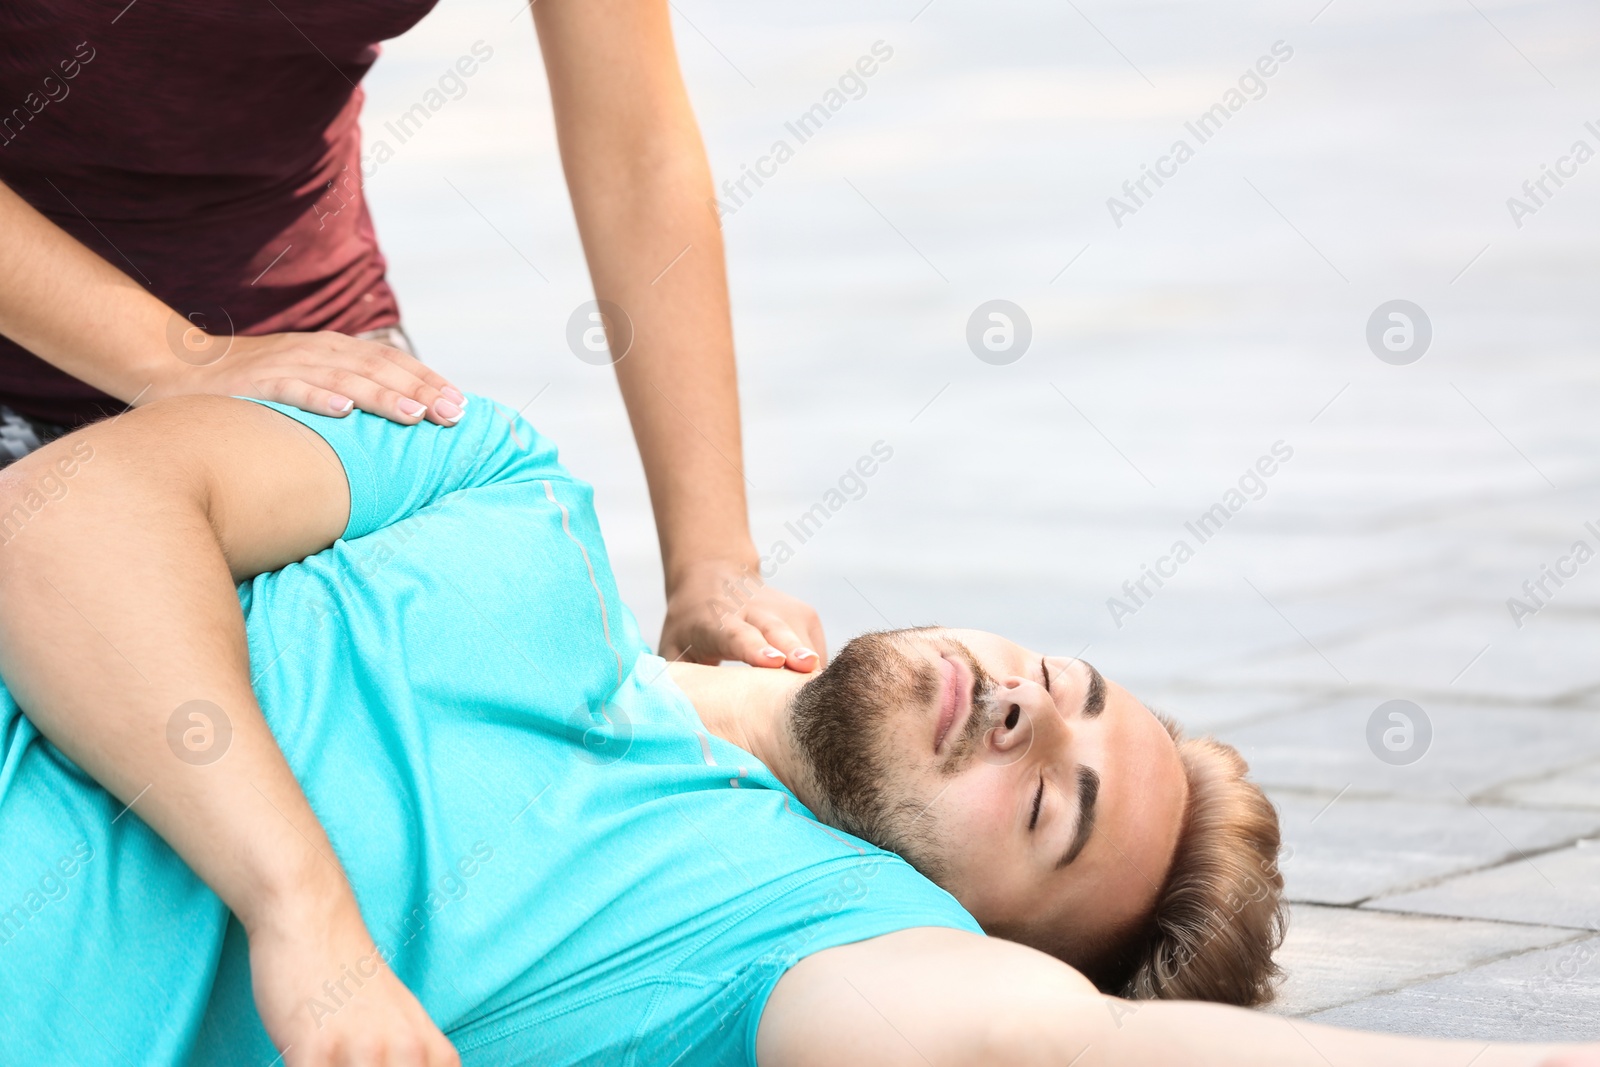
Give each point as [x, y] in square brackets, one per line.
[207, 148]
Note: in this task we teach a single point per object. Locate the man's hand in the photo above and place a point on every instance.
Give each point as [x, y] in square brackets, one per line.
[721, 610]
[327, 997]
[324, 373]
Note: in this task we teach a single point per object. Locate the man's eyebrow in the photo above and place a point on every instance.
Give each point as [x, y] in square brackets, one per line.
[1094, 701]
[1088, 794]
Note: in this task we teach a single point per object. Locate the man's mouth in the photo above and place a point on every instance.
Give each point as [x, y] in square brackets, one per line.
[955, 698]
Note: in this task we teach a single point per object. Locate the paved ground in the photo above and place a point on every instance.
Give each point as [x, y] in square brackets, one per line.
[1455, 887]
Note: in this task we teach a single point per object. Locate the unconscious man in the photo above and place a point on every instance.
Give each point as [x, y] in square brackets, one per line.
[430, 779]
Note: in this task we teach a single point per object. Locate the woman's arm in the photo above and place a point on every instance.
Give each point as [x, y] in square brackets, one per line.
[944, 998]
[641, 188]
[120, 547]
[77, 312]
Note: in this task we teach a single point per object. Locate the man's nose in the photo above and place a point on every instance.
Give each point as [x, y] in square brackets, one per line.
[1025, 715]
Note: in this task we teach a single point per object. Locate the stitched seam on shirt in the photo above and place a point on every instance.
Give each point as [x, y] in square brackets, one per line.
[505, 1028]
[605, 621]
[829, 868]
[670, 975]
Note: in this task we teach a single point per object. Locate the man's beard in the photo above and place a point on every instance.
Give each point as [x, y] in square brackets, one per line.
[840, 723]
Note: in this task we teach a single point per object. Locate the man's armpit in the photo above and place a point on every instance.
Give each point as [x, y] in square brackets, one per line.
[273, 490]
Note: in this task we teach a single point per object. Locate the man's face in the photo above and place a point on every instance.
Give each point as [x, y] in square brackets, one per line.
[1044, 798]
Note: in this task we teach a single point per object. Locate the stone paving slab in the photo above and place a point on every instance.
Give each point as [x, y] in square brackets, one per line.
[1548, 995]
[1335, 956]
[1477, 649]
[1356, 848]
[1202, 711]
[1472, 748]
[1556, 888]
[1576, 787]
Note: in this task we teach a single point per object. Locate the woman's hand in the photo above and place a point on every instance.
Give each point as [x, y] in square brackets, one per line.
[327, 997]
[721, 610]
[80, 314]
[325, 373]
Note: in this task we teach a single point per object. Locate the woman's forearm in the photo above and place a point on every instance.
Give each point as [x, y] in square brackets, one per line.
[122, 637]
[641, 190]
[680, 383]
[76, 311]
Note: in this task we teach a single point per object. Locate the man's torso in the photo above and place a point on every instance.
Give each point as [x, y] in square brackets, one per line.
[546, 843]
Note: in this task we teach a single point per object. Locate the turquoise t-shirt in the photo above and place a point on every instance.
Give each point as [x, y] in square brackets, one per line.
[547, 844]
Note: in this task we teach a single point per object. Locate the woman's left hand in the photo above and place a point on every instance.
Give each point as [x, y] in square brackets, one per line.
[722, 610]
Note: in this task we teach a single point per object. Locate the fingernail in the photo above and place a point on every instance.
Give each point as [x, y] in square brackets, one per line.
[410, 407]
[447, 411]
[804, 653]
[340, 405]
[454, 395]
[772, 653]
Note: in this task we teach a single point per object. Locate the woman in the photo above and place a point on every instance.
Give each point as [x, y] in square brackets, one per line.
[181, 199]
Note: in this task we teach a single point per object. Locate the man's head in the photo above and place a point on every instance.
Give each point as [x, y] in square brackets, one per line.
[1060, 811]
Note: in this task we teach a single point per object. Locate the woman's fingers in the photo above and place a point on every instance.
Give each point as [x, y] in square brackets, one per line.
[415, 367]
[797, 654]
[740, 640]
[319, 372]
[299, 394]
[396, 382]
[370, 395]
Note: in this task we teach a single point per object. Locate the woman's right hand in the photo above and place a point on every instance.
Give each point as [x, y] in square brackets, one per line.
[80, 314]
[328, 998]
[324, 373]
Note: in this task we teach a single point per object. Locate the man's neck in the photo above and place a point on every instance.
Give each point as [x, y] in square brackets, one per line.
[748, 707]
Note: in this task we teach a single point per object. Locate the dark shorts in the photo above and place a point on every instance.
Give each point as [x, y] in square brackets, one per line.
[20, 435]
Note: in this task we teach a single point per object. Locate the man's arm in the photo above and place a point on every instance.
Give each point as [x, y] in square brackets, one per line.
[122, 544]
[641, 189]
[944, 998]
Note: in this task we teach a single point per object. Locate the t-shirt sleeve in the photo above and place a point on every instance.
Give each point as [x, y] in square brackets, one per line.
[394, 470]
[857, 901]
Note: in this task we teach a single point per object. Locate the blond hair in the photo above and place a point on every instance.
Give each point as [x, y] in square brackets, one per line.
[1220, 916]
